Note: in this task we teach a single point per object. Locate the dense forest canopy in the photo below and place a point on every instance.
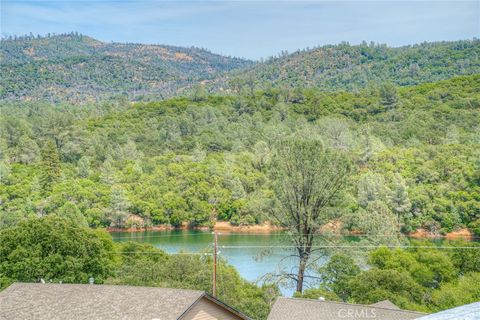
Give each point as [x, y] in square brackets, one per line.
[352, 67]
[77, 68]
[204, 158]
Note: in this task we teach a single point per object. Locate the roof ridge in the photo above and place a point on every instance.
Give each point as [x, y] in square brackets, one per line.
[352, 304]
[105, 285]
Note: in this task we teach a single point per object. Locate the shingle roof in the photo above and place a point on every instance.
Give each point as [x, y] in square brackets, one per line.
[306, 309]
[467, 312]
[387, 304]
[80, 301]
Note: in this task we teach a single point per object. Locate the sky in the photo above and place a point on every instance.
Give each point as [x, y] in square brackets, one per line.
[249, 29]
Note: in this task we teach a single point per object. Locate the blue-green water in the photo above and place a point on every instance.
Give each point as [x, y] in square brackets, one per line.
[253, 255]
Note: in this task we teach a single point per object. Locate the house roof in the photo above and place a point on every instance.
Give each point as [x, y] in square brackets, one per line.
[83, 301]
[303, 309]
[387, 304]
[466, 312]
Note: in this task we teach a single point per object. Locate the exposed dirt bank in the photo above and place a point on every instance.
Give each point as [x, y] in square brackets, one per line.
[454, 235]
[224, 226]
[220, 226]
[332, 227]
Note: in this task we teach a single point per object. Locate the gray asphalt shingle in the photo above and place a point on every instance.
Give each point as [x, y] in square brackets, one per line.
[307, 309]
[79, 301]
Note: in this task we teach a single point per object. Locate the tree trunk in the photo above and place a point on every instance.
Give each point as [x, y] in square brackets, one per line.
[301, 273]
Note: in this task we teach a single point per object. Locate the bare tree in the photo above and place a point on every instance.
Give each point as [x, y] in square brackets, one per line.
[308, 179]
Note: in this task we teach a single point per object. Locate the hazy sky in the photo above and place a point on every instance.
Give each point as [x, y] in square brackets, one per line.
[251, 29]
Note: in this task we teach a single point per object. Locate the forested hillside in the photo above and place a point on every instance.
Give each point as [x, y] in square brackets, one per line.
[207, 158]
[79, 69]
[76, 68]
[353, 67]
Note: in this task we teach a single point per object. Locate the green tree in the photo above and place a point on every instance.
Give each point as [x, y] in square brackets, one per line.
[107, 171]
[71, 212]
[26, 151]
[199, 93]
[83, 167]
[465, 291]
[337, 273]
[371, 188]
[152, 267]
[119, 205]
[388, 95]
[129, 151]
[375, 285]
[5, 171]
[377, 221]
[51, 170]
[54, 249]
[399, 199]
[307, 180]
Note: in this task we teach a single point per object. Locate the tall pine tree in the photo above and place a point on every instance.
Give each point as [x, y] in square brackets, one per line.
[399, 199]
[51, 170]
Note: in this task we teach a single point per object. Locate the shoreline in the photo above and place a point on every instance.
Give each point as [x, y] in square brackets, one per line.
[225, 226]
[222, 226]
[464, 233]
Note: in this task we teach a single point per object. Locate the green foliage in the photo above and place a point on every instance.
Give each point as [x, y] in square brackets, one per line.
[142, 264]
[70, 212]
[388, 95]
[118, 209]
[465, 291]
[336, 275]
[353, 67]
[308, 182]
[399, 199]
[422, 278]
[76, 68]
[83, 167]
[50, 166]
[375, 285]
[54, 249]
[183, 161]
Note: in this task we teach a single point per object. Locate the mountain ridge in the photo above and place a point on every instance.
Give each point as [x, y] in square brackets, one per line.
[352, 67]
[75, 68]
[79, 69]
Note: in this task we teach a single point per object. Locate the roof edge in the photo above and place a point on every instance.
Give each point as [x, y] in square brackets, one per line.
[353, 304]
[217, 302]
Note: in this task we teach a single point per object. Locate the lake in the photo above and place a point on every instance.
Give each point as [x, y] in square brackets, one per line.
[251, 261]
[253, 255]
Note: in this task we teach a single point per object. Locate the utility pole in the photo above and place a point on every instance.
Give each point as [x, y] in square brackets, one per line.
[215, 242]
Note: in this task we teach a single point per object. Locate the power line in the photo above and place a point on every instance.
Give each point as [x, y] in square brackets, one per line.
[162, 252]
[161, 236]
[294, 247]
[355, 247]
[282, 234]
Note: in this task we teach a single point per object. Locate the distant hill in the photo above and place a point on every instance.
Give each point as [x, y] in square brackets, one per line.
[77, 68]
[348, 67]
